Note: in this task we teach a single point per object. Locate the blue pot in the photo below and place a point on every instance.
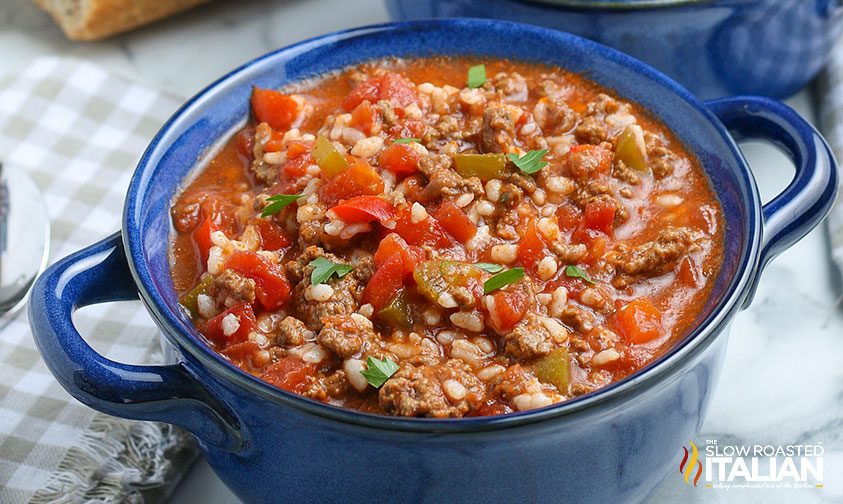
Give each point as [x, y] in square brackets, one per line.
[614, 445]
[712, 47]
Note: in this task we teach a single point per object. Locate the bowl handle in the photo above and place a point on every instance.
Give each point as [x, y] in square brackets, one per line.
[808, 198]
[100, 274]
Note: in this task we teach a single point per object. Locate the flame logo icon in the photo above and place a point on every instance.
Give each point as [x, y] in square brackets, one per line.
[686, 467]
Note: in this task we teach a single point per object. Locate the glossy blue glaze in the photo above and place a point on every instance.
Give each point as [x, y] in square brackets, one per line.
[614, 445]
[712, 47]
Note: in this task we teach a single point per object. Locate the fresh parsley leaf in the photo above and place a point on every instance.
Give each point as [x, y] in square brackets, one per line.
[502, 279]
[324, 268]
[277, 203]
[379, 371]
[530, 162]
[476, 76]
[577, 272]
[489, 267]
[406, 140]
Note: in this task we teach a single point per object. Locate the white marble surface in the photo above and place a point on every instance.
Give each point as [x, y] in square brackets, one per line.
[783, 378]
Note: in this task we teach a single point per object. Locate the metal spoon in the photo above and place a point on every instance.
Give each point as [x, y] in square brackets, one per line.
[24, 237]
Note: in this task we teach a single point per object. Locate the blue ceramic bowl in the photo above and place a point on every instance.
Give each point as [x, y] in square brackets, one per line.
[614, 445]
[713, 47]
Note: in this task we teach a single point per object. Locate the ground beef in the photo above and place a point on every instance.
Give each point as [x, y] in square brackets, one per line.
[568, 253]
[506, 217]
[662, 161]
[577, 318]
[604, 118]
[231, 283]
[529, 338]
[264, 172]
[292, 332]
[581, 165]
[345, 336]
[559, 118]
[515, 381]
[421, 391]
[387, 112]
[312, 231]
[650, 259]
[323, 388]
[498, 127]
[344, 301]
[623, 172]
[511, 87]
[443, 180]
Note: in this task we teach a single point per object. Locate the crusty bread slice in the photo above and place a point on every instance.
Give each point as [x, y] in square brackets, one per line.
[96, 19]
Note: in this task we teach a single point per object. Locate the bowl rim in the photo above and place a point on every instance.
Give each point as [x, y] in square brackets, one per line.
[618, 5]
[659, 369]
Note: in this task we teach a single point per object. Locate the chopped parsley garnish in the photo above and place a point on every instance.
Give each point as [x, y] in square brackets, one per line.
[530, 162]
[489, 267]
[277, 203]
[577, 272]
[324, 268]
[502, 279]
[378, 371]
[476, 76]
[406, 140]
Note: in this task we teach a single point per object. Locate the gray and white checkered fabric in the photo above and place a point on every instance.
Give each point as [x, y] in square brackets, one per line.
[830, 107]
[78, 132]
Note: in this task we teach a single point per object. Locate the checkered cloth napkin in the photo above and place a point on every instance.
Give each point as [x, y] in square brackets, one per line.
[830, 107]
[78, 132]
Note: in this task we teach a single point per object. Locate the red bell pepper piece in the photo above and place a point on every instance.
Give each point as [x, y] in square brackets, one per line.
[271, 286]
[364, 209]
[274, 108]
[202, 239]
[456, 222]
[385, 283]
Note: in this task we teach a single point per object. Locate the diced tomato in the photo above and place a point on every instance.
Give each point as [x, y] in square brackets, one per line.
[364, 209]
[510, 307]
[296, 148]
[242, 350]
[272, 235]
[491, 407]
[427, 232]
[368, 90]
[245, 318]
[202, 239]
[289, 373]
[586, 161]
[639, 321]
[246, 143]
[596, 242]
[274, 108]
[688, 274]
[385, 283]
[296, 168]
[391, 86]
[600, 216]
[569, 216]
[414, 186]
[358, 180]
[393, 244]
[408, 128]
[364, 117]
[400, 159]
[271, 286]
[531, 245]
[455, 222]
[275, 142]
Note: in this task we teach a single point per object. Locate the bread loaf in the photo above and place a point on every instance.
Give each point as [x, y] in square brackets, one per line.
[96, 19]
